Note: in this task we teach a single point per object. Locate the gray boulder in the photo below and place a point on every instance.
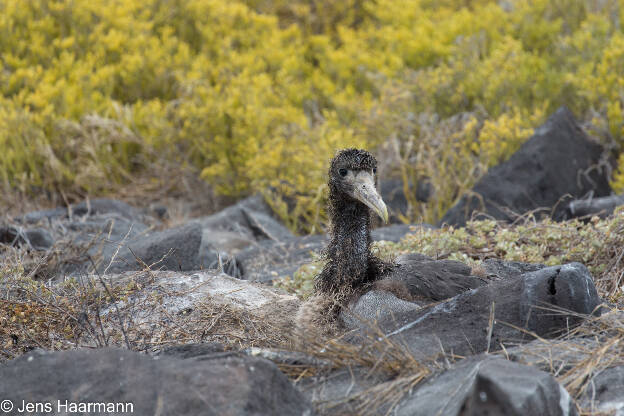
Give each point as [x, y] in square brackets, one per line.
[589, 207]
[374, 306]
[39, 238]
[332, 391]
[166, 296]
[268, 260]
[232, 385]
[394, 196]
[605, 392]
[105, 206]
[204, 243]
[460, 325]
[489, 386]
[498, 269]
[560, 354]
[86, 233]
[251, 219]
[559, 161]
[94, 207]
[112, 235]
[434, 279]
[195, 351]
[392, 193]
[34, 238]
[178, 249]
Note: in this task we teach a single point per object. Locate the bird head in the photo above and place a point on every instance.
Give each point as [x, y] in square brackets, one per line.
[353, 172]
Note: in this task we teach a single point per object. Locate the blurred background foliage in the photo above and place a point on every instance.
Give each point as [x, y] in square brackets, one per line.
[257, 95]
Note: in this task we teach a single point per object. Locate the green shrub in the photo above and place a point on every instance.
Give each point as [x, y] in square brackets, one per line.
[261, 93]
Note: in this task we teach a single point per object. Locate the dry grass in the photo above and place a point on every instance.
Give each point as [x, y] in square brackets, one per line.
[379, 399]
[577, 357]
[98, 311]
[604, 349]
[93, 312]
[79, 314]
[424, 148]
[377, 356]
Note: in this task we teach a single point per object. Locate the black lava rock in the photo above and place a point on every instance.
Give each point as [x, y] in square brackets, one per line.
[35, 238]
[233, 385]
[525, 303]
[556, 163]
[489, 386]
[177, 249]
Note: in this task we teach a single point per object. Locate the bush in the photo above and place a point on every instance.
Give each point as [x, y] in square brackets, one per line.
[259, 95]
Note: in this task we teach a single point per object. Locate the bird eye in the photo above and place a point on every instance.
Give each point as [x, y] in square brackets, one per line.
[343, 172]
[374, 171]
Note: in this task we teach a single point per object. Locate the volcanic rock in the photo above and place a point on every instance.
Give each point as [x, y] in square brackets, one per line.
[524, 304]
[559, 161]
[233, 385]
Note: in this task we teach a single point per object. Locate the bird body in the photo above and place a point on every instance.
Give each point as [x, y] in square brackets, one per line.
[350, 264]
[351, 267]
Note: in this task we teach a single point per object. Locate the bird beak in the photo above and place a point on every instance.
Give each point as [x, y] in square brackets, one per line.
[364, 191]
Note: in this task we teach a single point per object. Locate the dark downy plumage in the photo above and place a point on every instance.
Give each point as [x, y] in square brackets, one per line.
[351, 268]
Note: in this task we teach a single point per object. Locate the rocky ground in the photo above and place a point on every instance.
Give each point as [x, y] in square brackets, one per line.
[104, 302]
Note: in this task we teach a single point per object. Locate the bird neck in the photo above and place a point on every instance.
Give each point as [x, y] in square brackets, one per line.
[350, 267]
[350, 238]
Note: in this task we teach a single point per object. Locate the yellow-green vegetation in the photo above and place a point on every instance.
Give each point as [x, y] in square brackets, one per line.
[260, 93]
[301, 283]
[598, 244]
